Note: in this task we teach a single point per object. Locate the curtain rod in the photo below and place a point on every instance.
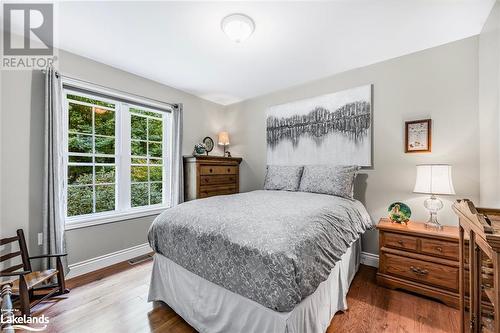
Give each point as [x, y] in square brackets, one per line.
[58, 74]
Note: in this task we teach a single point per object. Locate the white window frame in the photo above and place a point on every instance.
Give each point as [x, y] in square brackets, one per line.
[123, 210]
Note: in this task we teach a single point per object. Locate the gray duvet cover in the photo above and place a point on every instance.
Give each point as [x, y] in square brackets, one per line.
[274, 247]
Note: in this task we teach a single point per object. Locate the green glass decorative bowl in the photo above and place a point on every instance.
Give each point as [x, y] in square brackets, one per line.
[399, 212]
[199, 149]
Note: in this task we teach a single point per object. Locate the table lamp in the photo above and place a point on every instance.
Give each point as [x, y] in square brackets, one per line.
[223, 140]
[434, 179]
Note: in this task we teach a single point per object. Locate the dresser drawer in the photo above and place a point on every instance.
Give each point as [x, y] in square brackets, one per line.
[421, 271]
[209, 191]
[218, 170]
[439, 248]
[217, 179]
[399, 241]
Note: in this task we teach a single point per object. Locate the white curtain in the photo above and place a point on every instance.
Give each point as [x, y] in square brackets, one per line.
[177, 180]
[54, 191]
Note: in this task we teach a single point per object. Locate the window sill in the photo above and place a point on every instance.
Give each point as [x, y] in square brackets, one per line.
[83, 222]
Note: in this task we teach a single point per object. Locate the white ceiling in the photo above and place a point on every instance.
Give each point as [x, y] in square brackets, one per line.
[180, 44]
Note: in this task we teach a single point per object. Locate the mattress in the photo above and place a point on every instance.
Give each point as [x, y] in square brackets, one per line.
[273, 247]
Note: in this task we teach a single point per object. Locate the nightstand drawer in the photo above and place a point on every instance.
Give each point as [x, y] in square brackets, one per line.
[399, 241]
[218, 170]
[439, 248]
[422, 271]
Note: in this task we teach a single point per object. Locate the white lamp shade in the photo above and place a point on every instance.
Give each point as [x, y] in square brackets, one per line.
[434, 179]
[223, 139]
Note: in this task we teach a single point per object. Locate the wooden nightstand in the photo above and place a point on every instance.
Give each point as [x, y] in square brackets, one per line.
[420, 260]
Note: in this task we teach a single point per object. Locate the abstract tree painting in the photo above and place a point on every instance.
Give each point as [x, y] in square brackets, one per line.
[329, 129]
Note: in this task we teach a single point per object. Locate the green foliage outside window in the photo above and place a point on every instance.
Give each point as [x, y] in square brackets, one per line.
[142, 196]
[138, 127]
[104, 122]
[146, 172]
[155, 130]
[139, 195]
[156, 193]
[80, 118]
[81, 198]
[79, 143]
[91, 186]
[91, 157]
[104, 198]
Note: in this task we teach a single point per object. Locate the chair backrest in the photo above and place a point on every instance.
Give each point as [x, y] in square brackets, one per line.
[22, 252]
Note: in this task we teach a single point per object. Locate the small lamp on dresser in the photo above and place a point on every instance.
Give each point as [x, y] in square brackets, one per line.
[223, 140]
[434, 179]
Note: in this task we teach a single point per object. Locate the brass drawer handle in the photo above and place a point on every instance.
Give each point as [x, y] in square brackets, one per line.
[400, 242]
[439, 248]
[419, 271]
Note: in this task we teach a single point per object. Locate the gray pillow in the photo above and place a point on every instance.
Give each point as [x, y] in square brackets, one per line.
[329, 179]
[281, 177]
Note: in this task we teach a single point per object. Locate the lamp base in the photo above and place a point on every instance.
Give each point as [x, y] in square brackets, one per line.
[433, 205]
[434, 226]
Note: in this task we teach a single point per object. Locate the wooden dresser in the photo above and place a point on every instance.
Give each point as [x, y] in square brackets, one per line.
[206, 176]
[417, 259]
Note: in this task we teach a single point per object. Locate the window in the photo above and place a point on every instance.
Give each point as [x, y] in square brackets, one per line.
[146, 170]
[117, 157]
[91, 156]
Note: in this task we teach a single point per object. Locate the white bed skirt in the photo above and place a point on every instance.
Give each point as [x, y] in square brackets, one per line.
[210, 308]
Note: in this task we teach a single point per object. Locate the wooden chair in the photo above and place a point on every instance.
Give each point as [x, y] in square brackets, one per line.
[479, 232]
[29, 281]
[6, 308]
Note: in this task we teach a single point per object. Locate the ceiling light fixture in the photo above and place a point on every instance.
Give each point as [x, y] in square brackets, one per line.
[238, 27]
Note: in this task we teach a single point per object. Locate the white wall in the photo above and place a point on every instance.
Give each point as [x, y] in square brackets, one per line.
[21, 147]
[438, 83]
[489, 109]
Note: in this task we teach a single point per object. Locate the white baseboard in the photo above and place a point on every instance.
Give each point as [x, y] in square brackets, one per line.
[369, 259]
[106, 260]
[93, 264]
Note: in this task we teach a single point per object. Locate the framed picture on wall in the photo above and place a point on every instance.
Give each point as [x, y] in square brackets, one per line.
[335, 128]
[418, 136]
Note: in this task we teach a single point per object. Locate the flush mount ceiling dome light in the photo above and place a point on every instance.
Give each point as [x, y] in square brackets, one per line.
[238, 27]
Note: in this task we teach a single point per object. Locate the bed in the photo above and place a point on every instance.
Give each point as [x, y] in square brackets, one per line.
[261, 261]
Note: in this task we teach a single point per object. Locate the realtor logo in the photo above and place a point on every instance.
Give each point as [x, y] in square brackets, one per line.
[28, 29]
[28, 36]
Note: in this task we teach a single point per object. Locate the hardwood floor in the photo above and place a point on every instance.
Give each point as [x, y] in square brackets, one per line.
[377, 309]
[115, 300]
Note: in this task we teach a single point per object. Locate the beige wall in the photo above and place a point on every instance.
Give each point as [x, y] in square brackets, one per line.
[438, 83]
[21, 147]
[489, 109]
